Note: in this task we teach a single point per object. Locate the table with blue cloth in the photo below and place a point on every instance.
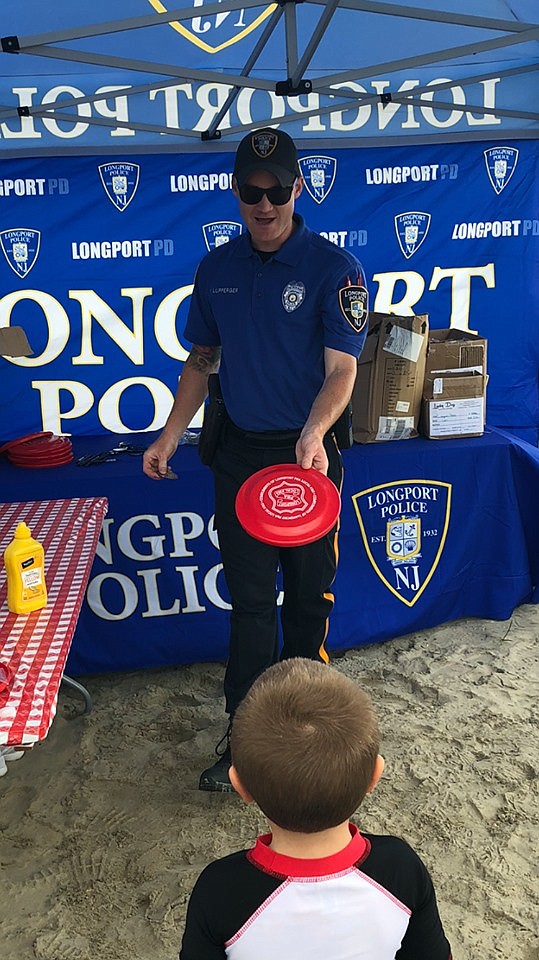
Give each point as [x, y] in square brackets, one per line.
[430, 531]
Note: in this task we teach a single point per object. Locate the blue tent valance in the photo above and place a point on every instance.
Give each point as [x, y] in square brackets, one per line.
[356, 72]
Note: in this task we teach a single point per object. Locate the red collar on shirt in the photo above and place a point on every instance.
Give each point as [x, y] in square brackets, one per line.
[280, 864]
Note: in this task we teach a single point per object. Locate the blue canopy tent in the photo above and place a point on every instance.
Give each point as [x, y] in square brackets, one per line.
[416, 89]
[299, 63]
[399, 111]
[339, 75]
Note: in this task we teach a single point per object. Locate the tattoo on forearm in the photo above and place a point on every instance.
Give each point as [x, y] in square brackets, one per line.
[204, 359]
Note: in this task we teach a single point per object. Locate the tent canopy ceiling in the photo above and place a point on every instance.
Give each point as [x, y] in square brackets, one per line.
[336, 69]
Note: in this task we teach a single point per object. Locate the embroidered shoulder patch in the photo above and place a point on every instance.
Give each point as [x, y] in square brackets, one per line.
[354, 304]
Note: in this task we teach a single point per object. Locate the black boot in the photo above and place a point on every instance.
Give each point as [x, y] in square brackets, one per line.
[216, 778]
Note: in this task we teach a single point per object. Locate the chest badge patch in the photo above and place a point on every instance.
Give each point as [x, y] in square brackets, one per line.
[293, 295]
[353, 302]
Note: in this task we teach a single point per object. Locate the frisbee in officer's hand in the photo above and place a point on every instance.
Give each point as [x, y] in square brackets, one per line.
[287, 506]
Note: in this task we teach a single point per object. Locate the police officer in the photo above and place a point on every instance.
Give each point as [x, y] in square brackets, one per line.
[281, 313]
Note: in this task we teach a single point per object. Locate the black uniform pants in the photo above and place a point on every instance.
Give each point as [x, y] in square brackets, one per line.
[250, 569]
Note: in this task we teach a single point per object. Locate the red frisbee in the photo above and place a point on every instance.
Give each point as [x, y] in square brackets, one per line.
[35, 448]
[42, 465]
[40, 450]
[287, 506]
[42, 435]
[60, 457]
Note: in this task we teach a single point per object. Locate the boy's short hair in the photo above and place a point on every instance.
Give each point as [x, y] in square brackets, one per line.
[304, 743]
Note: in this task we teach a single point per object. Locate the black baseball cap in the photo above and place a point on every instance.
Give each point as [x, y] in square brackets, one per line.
[267, 149]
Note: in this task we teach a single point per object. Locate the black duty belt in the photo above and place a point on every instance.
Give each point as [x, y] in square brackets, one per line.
[265, 439]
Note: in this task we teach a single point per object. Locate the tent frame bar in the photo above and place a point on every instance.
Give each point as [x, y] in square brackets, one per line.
[413, 98]
[190, 13]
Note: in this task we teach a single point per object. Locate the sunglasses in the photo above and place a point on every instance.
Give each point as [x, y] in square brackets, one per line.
[277, 196]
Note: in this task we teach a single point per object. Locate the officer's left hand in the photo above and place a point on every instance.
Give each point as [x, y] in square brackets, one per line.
[310, 452]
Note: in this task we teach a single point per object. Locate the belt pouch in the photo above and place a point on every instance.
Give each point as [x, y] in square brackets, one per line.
[215, 417]
[342, 429]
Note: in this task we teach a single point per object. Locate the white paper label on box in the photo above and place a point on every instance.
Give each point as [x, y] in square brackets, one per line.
[404, 343]
[450, 417]
[402, 406]
[438, 385]
[395, 428]
[477, 369]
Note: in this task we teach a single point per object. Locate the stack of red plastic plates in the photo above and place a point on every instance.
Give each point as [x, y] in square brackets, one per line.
[38, 450]
[287, 506]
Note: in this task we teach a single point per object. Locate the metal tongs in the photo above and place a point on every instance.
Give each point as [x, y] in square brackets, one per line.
[108, 456]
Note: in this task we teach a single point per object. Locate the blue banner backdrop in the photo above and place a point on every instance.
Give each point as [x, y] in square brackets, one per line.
[98, 256]
[157, 593]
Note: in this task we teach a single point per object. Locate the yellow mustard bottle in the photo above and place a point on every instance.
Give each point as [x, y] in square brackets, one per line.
[24, 559]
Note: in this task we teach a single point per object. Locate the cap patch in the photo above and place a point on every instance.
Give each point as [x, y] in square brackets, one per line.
[263, 143]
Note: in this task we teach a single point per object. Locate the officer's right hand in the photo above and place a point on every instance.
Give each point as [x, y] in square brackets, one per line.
[156, 457]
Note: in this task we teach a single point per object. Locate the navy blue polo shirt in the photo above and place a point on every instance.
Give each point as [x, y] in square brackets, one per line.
[273, 320]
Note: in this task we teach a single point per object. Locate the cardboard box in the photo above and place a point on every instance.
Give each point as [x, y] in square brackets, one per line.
[454, 405]
[386, 401]
[454, 350]
[13, 343]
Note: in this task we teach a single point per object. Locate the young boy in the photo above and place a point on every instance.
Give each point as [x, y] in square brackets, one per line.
[305, 749]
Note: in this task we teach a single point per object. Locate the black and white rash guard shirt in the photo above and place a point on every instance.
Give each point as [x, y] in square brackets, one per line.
[374, 900]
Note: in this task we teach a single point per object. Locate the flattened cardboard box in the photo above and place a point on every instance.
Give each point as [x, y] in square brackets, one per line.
[454, 350]
[454, 406]
[386, 401]
[13, 343]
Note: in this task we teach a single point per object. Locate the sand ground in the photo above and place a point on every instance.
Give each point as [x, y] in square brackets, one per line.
[103, 830]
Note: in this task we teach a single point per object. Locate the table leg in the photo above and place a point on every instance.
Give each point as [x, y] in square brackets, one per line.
[75, 685]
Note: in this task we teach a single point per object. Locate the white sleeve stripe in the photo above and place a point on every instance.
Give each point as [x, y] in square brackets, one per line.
[386, 893]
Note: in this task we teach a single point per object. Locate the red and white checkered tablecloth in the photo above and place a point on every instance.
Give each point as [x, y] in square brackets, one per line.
[36, 645]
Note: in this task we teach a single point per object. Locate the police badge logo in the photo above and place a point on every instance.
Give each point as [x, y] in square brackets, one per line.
[318, 176]
[404, 527]
[411, 229]
[501, 164]
[263, 143]
[220, 232]
[20, 246]
[286, 499]
[354, 304]
[293, 295]
[225, 28]
[120, 182]
[403, 538]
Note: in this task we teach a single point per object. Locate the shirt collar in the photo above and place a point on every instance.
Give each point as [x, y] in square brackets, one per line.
[291, 250]
[278, 863]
